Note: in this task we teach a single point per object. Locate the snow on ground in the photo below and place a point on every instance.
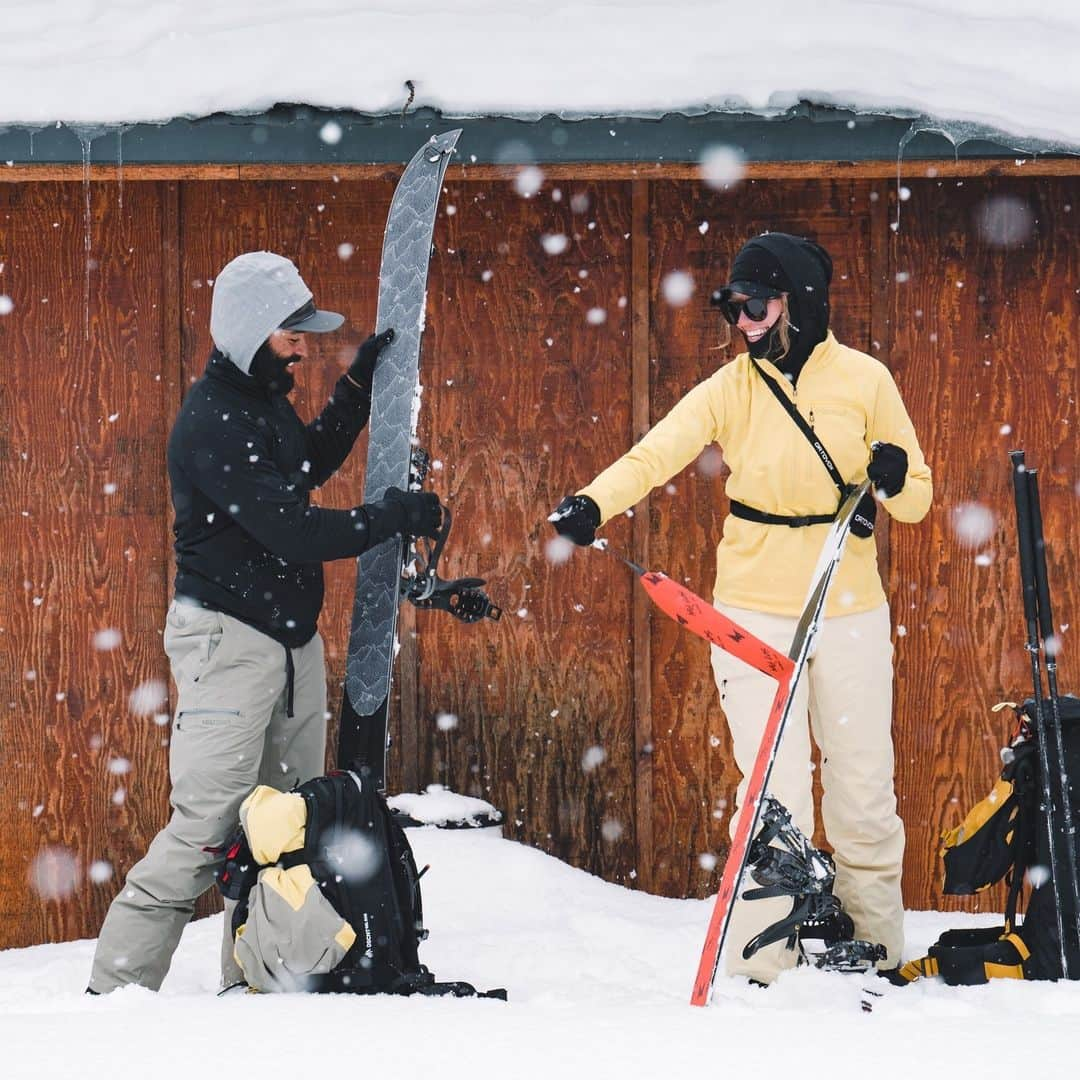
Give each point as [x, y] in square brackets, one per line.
[995, 62]
[598, 976]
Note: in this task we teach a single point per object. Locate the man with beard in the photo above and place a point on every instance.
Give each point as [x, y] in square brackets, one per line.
[782, 499]
[241, 633]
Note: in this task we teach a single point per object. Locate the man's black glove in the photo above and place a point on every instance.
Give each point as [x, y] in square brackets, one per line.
[403, 513]
[862, 524]
[577, 518]
[362, 370]
[888, 468]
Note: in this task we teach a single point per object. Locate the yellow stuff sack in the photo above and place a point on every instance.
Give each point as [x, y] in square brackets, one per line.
[981, 850]
[997, 835]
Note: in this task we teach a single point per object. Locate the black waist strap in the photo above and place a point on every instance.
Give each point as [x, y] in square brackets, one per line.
[748, 513]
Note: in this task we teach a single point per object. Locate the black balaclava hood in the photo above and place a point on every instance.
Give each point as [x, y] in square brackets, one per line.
[782, 263]
[269, 371]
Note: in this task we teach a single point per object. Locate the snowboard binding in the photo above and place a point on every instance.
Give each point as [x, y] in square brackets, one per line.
[464, 598]
[796, 869]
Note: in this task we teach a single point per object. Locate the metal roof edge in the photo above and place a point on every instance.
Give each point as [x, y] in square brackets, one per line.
[303, 134]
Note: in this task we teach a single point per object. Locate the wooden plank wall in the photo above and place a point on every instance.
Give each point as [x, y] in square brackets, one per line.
[594, 725]
[83, 565]
[985, 343]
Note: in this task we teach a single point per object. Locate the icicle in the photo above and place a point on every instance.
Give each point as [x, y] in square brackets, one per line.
[958, 132]
[86, 136]
[120, 168]
[87, 223]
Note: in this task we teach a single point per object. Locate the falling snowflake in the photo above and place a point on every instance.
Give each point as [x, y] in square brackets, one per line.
[528, 181]
[593, 757]
[107, 640]
[1004, 221]
[611, 830]
[677, 287]
[148, 697]
[973, 524]
[558, 550]
[331, 133]
[722, 166]
[54, 873]
[100, 872]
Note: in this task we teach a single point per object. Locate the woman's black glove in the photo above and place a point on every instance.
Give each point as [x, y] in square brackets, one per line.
[403, 513]
[577, 518]
[862, 524]
[362, 370]
[888, 468]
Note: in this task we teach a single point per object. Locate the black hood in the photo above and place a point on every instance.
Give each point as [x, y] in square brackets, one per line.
[780, 262]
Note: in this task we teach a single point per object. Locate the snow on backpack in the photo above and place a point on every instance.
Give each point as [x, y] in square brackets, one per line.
[1004, 837]
[328, 894]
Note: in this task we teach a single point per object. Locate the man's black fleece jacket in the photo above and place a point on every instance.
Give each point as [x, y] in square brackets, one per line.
[242, 466]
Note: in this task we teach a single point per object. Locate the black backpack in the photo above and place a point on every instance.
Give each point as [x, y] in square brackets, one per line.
[1001, 839]
[348, 821]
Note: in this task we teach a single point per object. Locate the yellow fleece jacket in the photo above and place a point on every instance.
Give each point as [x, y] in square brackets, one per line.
[851, 401]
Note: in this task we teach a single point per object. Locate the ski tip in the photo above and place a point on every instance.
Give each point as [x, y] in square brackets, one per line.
[445, 141]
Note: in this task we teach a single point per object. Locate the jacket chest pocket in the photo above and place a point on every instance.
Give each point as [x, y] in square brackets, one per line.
[841, 427]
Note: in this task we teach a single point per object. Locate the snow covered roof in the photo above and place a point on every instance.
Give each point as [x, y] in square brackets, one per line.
[972, 66]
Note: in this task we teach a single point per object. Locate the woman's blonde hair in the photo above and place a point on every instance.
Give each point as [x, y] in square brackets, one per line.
[785, 329]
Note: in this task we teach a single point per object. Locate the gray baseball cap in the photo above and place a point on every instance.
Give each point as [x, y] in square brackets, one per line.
[254, 295]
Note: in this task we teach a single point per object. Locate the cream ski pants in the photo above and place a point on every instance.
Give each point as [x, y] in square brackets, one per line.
[230, 732]
[846, 689]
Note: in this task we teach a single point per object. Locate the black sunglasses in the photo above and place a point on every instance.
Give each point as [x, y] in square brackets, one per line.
[756, 309]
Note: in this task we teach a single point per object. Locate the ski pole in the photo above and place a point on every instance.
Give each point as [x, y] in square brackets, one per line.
[1070, 918]
[1027, 580]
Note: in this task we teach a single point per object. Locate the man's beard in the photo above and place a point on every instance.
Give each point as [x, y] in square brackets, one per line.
[270, 370]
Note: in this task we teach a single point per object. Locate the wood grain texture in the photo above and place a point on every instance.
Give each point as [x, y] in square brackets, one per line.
[971, 302]
[697, 231]
[82, 581]
[878, 169]
[985, 351]
[642, 615]
[525, 400]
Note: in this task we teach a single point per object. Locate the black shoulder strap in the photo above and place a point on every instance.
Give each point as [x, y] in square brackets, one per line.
[805, 428]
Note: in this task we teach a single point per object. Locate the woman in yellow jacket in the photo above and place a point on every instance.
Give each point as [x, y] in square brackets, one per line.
[782, 498]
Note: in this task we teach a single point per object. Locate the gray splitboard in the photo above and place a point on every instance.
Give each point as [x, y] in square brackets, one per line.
[403, 277]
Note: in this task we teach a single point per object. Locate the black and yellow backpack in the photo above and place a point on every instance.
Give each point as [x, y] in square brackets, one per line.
[1003, 838]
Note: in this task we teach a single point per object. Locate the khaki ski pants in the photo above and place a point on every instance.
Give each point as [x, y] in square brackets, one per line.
[847, 690]
[230, 732]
